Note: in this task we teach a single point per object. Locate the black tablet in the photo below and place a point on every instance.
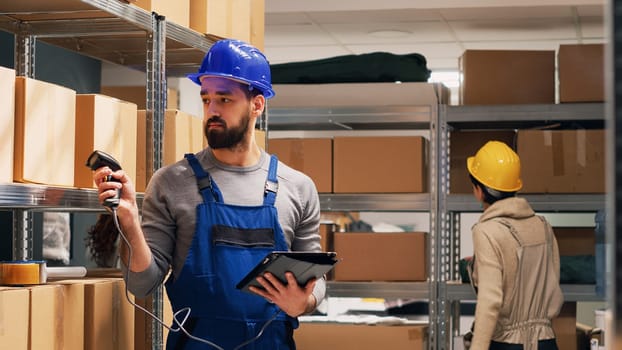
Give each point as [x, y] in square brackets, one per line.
[304, 265]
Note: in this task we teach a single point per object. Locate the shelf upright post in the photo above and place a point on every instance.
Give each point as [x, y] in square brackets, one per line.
[439, 237]
[24, 51]
[22, 218]
[22, 235]
[156, 107]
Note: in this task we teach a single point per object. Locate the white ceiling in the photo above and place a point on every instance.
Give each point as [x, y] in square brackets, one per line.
[299, 30]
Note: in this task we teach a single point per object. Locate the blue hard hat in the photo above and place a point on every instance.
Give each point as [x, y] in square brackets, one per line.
[237, 60]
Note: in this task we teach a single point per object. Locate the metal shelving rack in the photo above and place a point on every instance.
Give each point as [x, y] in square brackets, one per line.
[416, 117]
[111, 31]
[505, 117]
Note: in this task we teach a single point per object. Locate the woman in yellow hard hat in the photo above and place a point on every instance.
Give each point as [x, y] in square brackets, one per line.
[516, 260]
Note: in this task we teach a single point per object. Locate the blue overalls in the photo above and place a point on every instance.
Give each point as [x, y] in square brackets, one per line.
[228, 242]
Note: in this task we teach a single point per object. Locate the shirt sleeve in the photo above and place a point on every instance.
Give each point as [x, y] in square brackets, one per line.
[488, 278]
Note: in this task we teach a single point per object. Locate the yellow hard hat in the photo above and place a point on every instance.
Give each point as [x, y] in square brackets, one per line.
[496, 166]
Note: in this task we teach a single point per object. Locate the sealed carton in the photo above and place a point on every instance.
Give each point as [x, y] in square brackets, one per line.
[183, 133]
[235, 19]
[380, 256]
[562, 161]
[324, 335]
[14, 316]
[7, 123]
[45, 120]
[496, 77]
[380, 164]
[312, 156]
[581, 73]
[107, 124]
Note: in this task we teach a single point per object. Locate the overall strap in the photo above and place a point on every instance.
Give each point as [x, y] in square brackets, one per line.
[208, 189]
[272, 183]
[511, 228]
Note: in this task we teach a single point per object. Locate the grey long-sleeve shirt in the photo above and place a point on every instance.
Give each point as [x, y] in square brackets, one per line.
[171, 198]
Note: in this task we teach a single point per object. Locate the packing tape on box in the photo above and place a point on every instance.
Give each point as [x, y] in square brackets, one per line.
[25, 272]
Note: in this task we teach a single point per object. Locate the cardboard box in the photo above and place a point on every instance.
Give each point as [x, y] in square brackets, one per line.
[384, 164]
[183, 133]
[45, 114]
[46, 311]
[7, 123]
[14, 318]
[312, 156]
[464, 144]
[494, 77]
[581, 73]
[574, 241]
[347, 95]
[316, 336]
[373, 256]
[108, 316]
[72, 294]
[138, 95]
[565, 327]
[562, 161]
[143, 322]
[107, 124]
[175, 11]
[234, 19]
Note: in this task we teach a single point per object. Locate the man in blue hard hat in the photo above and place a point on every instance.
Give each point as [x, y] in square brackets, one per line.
[211, 217]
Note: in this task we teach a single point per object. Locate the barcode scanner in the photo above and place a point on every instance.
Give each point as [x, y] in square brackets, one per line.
[98, 159]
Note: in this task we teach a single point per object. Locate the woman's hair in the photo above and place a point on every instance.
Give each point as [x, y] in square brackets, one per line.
[491, 195]
[101, 241]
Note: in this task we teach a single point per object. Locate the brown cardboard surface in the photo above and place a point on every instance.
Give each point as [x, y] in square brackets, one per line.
[235, 19]
[373, 256]
[107, 124]
[492, 77]
[260, 138]
[175, 11]
[581, 73]
[357, 95]
[46, 317]
[72, 295]
[562, 161]
[565, 327]
[575, 240]
[383, 164]
[316, 336]
[138, 95]
[7, 123]
[123, 321]
[140, 182]
[312, 156]
[464, 144]
[14, 318]
[108, 316]
[44, 117]
[183, 133]
[98, 315]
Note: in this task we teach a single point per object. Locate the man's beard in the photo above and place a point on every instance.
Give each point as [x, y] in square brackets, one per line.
[226, 137]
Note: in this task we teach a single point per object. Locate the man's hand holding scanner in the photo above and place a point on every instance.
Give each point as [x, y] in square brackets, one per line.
[293, 299]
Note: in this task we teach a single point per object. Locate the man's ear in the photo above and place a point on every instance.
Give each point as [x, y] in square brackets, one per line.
[258, 103]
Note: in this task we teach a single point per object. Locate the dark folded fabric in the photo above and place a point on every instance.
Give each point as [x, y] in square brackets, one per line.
[371, 67]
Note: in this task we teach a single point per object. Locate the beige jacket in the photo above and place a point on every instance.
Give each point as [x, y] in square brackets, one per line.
[513, 306]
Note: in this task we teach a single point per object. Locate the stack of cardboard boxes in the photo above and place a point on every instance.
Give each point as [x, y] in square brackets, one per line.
[69, 315]
[49, 131]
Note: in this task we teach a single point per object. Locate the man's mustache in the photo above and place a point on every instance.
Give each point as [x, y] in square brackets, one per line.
[216, 119]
